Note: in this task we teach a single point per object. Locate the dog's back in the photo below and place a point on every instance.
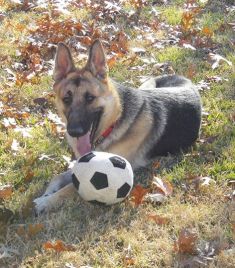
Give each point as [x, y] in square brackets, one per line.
[172, 106]
[176, 104]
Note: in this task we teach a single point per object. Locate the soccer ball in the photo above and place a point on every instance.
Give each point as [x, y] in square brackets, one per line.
[102, 177]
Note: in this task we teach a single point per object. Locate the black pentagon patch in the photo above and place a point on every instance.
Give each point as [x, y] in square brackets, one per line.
[99, 180]
[86, 158]
[118, 162]
[95, 202]
[75, 181]
[123, 191]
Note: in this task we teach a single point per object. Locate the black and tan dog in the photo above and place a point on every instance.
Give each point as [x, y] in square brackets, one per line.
[161, 117]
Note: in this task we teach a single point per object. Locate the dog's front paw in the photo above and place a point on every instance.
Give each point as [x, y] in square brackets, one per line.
[41, 204]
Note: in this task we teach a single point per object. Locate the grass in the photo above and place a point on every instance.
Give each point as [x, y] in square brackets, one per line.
[105, 236]
[172, 15]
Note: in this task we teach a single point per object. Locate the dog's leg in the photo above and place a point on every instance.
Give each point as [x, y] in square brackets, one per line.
[47, 202]
[59, 182]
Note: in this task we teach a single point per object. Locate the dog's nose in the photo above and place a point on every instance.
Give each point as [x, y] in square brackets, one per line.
[77, 131]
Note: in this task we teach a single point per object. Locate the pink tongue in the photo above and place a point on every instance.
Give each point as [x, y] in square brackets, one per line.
[83, 144]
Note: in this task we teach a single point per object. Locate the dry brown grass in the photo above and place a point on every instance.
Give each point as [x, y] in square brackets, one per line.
[102, 235]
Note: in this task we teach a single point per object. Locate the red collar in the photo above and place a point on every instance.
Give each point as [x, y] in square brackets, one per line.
[105, 134]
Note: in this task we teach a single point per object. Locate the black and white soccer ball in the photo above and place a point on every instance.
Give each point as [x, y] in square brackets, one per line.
[102, 177]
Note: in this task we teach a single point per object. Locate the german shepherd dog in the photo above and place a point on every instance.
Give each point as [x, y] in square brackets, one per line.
[161, 117]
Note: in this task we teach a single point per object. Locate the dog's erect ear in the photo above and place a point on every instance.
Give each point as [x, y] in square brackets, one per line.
[63, 62]
[97, 61]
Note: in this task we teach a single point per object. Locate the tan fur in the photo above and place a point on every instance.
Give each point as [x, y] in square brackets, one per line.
[112, 109]
[129, 144]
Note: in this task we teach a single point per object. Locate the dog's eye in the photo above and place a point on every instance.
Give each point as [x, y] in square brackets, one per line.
[89, 98]
[68, 98]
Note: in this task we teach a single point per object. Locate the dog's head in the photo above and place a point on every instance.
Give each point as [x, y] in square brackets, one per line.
[85, 97]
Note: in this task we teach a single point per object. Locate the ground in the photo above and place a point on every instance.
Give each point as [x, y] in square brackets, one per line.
[195, 225]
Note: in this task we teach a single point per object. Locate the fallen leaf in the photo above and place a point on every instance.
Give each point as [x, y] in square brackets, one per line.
[34, 229]
[215, 78]
[208, 140]
[54, 118]
[21, 230]
[30, 230]
[138, 194]
[186, 242]
[112, 61]
[128, 261]
[200, 182]
[207, 31]
[138, 50]
[189, 46]
[25, 131]
[187, 20]
[203, 85]
[158, 219]
[216, 59]
[9, 122]
[191, 72]
[162, 186]
[128, 258]
[206, 181]
[15, 146]
[5, 191]
[58, 246]
[156, 198]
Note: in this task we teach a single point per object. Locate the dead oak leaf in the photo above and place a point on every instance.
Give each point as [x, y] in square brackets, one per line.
[207, 31]
[137, 194]
[34, 229]
[186, 242]
[128, 261]
[162, 186]
[29, 175]
[30, 230]
[111, 61]
[216, 59]
[199, 182]
[128, 258]
[187, 20]
[158, 219]
[5, 191]
[58, 246]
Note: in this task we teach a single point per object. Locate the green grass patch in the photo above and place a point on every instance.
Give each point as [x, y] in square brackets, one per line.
[172, 15]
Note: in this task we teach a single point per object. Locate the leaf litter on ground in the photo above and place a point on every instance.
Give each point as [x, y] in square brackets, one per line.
[58, 246]
[6, 191]
[160, 190]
